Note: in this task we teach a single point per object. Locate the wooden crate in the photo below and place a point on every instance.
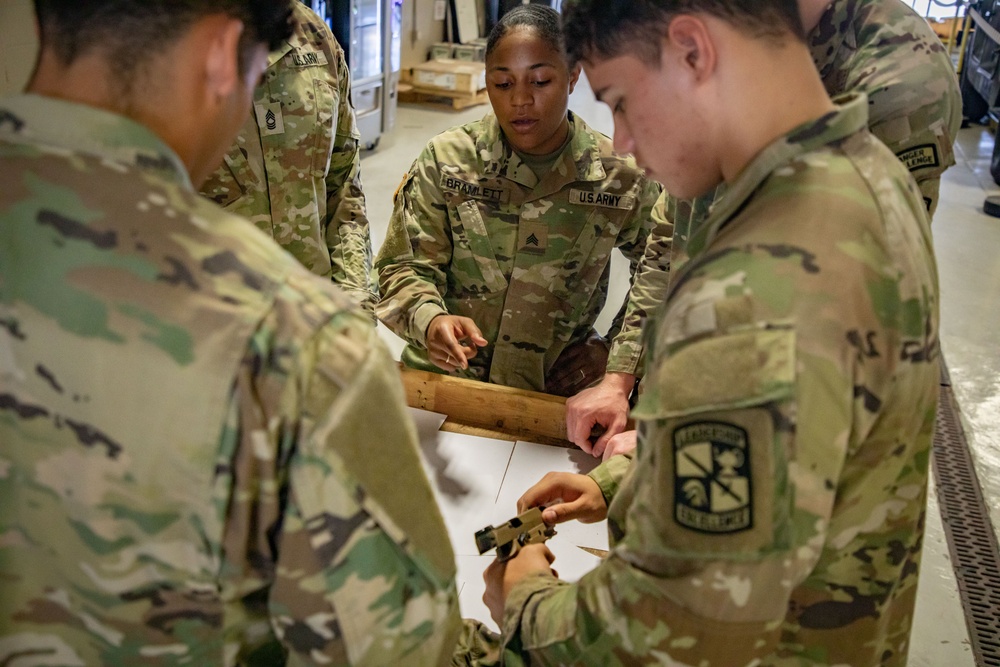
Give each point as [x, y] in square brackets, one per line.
[440, 99]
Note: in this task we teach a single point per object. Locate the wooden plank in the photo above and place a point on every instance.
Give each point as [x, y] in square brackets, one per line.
[522, 414]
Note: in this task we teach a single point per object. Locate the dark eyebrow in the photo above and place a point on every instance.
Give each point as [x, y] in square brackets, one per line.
[533, 67]
[599, 94]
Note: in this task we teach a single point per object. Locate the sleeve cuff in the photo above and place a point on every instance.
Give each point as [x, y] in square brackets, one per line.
[625, 357]
[609, 475]
[422, 317]
[519, 598]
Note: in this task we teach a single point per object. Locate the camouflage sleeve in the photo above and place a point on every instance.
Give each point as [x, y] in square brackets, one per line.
[648, 253]
[713, 526]
[348, 237]
[610, 474]
[412, 262]
[333, 541]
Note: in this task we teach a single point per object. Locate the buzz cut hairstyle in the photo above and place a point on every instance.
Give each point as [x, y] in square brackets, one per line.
[607, 29]
[130, 32]
[541, 18]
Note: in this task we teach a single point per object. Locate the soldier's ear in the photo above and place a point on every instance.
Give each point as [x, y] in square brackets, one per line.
[574, 76]
[222, 60]
[689, 45]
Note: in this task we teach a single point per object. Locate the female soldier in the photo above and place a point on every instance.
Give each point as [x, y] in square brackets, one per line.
[502, 231]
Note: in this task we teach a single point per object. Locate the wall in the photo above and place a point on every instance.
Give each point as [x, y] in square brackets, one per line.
[18, 44]
[417, 43]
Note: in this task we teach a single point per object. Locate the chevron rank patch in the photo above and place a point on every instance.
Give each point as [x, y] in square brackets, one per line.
[712, 481]
[533, 238]
[269, 118]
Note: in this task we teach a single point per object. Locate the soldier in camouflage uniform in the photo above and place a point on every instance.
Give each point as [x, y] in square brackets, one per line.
[773, 513]
[295, 168]
[204, 452]
[506, 226]
[885, 50]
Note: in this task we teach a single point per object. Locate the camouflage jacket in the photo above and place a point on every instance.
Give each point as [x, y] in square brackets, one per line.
[774, 510]
[192, 466]
[295, 169]
[884, 49]
[475, 233]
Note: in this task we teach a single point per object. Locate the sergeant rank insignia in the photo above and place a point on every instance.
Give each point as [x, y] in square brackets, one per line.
[712, 491]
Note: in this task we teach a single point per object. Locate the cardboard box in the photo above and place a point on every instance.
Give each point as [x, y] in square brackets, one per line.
[470, 52]
[441, 50]
[450, 75]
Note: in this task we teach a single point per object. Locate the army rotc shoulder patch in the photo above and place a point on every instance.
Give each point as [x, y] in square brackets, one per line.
[712, 491]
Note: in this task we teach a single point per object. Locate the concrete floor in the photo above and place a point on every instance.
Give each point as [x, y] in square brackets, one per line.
[968, 249]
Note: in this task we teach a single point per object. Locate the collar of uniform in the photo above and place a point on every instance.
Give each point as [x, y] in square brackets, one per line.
[499, 159]
[831, 34]
[308, 23]
[85, 129]
[851, 116]
[274, 57]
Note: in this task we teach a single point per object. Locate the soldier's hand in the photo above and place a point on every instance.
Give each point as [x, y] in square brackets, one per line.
[500, 577]
[604, 405]
[579, 366]
[453, 340]
[623, 443]
[566, 496]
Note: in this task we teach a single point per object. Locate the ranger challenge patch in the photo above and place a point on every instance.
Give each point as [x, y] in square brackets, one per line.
[920, 157]
[712, 491]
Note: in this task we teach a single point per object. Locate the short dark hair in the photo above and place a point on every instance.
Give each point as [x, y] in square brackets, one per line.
[610, 29]
[542, 18]
[131, 31]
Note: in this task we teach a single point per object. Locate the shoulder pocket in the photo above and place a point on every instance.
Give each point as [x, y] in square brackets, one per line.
[717, 426]
[325, 125]
[732, 370]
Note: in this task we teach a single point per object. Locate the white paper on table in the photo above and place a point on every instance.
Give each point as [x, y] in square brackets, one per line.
[428, 423]
[528, 464]
[471, 588]
[465, 472]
